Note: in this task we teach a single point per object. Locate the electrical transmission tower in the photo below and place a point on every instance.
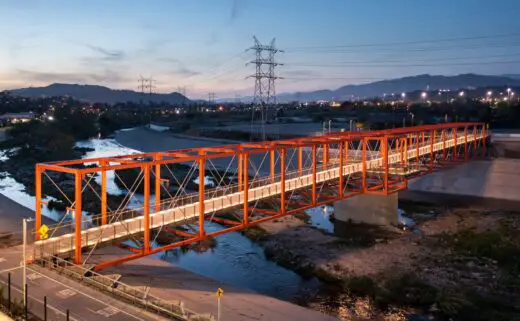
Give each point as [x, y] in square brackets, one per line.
[265, 91]
[146, 86]
[211, 98]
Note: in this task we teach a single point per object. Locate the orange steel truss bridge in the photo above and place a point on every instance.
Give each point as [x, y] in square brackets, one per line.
[250, 183]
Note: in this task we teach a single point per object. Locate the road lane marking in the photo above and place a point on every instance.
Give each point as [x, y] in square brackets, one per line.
[108, 312]
[136, 309]
[67, 293]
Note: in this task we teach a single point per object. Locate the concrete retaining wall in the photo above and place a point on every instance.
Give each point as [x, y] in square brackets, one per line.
[497, 179]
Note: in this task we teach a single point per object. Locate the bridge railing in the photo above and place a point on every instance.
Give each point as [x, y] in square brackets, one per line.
[173, 309]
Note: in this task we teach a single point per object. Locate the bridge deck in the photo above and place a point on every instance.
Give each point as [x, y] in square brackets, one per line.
[261, 189]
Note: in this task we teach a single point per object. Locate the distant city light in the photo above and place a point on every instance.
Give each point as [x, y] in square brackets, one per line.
[489, 93]
[50, 118]
[461, 94]
[403, 95]
[423, 95]
[512, 93]
[508, 90]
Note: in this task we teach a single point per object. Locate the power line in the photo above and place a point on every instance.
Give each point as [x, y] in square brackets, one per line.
[410, 42]
[410, 65]
[493, 45]
[339, 63]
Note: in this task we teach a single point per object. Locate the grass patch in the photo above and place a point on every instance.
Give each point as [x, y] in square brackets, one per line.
[501, 245]
[255, 233]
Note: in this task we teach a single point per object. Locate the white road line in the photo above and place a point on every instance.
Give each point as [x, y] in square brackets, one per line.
[88, 296]
[57, 311]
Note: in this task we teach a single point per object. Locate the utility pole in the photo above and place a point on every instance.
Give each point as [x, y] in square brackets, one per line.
[265, 90]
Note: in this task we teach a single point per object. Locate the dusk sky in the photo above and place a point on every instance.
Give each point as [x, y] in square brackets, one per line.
[201, 44]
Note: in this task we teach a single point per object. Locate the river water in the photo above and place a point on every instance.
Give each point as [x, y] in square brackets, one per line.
[235, 260]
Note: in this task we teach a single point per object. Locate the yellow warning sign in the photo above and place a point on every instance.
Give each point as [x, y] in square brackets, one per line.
[220, 293]
[43, 231]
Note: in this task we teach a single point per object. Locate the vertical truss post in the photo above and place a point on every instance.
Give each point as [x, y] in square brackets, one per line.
[314, 189]
[341, 156]
[38, 212]
[364, 164]
[455, 143]
[272, 165]
[474, 141]
[347, 149]
[240, 170]
[202, 172]
[422, 143]
[325, 155]
[246, 189]
[384, 150]
[405, 151]
[432, 140]
[282, 180]
[466, 143]
[77, 206]
[158, 184]
[146, 208]
[484, 140]
[300, 160]
[443, 134]
[417, 147]
[103, 193]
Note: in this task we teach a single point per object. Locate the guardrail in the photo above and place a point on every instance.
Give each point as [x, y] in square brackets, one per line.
[173, 309]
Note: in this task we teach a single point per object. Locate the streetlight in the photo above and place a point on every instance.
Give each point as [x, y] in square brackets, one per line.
[403, 95]
[461, 94]
[424, 95]
[24, 258]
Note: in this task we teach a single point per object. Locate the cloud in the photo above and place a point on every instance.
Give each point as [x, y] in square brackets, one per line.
[106, 76]
[108, 55]
[184, 71]
[237, 7]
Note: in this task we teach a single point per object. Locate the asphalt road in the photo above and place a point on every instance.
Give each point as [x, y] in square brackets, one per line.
[83, 303]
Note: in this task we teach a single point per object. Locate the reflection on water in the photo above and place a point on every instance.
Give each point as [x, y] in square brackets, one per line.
[320, 217]
[238, 261]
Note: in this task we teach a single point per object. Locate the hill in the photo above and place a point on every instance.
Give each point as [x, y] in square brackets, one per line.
[399, 85]
[98, 94]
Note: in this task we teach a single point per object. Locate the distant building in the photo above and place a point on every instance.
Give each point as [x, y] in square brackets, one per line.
[13, 118]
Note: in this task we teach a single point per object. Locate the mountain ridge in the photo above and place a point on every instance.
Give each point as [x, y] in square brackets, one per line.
[98, 94]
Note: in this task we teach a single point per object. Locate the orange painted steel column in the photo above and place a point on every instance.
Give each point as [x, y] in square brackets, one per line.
[246, 191]
[455, 144]
[474, 141]
[77, 205]
[272, 165]
[240, 170]
[282, 180]
[466, 143]
[384, 150]
[103, 194]
[484, 140]
[364, 165]
[300, 160]
[443, 144]
[202, 172]
[405, 151]
[38, 192]
[146, 208]
[158, 185]
[314, 189]
[417, 147]
[341, 156]
[325, 153]
[432, 140]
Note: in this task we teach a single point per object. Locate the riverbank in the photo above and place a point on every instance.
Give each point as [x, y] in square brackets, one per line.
[455, 263]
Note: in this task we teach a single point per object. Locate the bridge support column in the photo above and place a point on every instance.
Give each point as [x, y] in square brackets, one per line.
[77, 216]
[368, 208]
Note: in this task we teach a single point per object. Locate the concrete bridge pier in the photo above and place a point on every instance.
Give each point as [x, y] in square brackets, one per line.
[368, 208]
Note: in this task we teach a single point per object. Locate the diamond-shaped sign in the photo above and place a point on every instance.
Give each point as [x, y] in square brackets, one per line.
[43, 231]
[220, 293]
